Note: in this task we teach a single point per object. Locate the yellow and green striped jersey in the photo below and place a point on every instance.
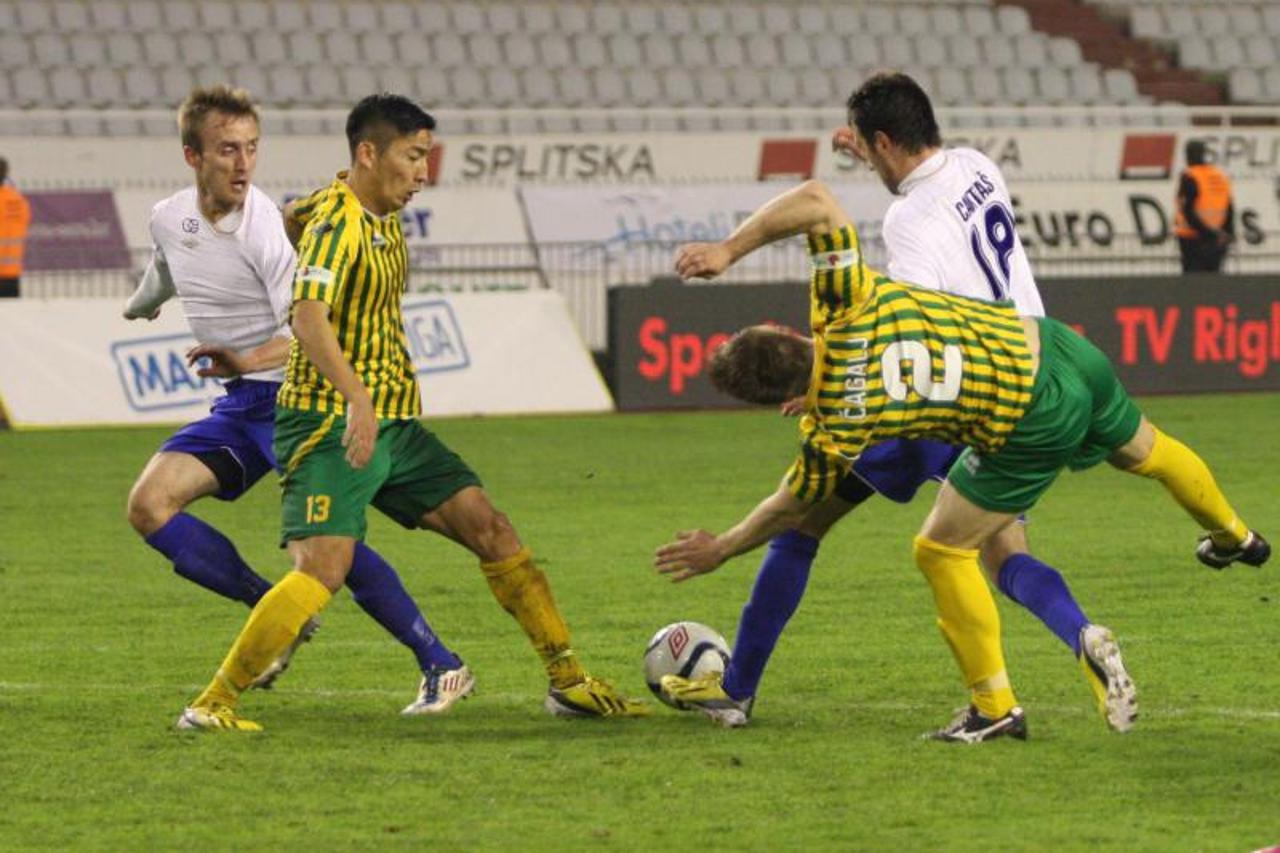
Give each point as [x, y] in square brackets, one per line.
[356, 263]
[896, 361]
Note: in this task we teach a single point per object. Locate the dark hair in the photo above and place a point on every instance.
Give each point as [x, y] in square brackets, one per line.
[762, 365]
[1195, 152]
[383, 117]
[220, 98]
[4, 169]
[895, 105]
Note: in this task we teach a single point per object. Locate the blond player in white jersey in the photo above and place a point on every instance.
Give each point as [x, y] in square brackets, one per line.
[220, 247]
[951, 229]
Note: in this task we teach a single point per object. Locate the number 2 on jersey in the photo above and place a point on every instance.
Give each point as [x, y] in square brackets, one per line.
[997, 238]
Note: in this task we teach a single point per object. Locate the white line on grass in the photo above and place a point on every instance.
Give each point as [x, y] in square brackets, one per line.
[323, 692]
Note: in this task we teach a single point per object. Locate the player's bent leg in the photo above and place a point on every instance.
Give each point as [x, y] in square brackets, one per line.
[1158, 456]
[320, 565]
[1035, 585]
[199, 552]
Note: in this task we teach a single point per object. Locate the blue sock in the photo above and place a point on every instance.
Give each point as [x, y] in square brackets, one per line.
[776, 595]
[376, 587]
[201, 554]
[1040, 589]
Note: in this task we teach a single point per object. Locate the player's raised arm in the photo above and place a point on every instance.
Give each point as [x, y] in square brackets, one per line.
[809, 208]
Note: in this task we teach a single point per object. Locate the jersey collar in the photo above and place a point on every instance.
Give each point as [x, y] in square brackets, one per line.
[924, 171]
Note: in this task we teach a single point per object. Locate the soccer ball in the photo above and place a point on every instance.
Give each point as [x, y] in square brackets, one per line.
[686, 649]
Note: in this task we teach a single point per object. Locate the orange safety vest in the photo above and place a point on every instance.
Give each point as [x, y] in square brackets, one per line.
[15, 215]
[1213, 198]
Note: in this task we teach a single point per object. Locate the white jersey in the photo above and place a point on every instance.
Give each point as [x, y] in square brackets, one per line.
[234, 278]
[953, 231]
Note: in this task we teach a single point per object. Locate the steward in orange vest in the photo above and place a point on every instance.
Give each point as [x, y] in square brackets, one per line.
[15, 216]
[1203, 218]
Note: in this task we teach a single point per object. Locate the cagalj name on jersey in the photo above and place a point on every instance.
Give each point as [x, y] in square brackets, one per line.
[892, 360]
[356, 263]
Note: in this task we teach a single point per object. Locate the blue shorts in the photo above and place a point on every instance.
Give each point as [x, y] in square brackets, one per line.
[237, 434]
[899, 467]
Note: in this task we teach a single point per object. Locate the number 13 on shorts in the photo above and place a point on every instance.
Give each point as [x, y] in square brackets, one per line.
[318, 509]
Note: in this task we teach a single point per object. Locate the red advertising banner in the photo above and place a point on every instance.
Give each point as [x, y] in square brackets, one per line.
[1163, 334]
[75, 230]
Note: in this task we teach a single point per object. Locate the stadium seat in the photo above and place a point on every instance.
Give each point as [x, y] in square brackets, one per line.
[432, 18]
[607, 87]
[536, 18]
[358, 81]
[713, 87]
[985, 85]
[1146, 22]
[864, 50]
[361, 16]
[501, 87]
[520, 50]
[931, 50]
[159, 48]
[781, 87]
[1244, 20]
[175, 82]
[123, 49]
[624, 51]
[607, 19]
[945, 20]
[1213, 21]
[1013, 20]
[484, 51]
[1260, 51]
[643, 87]
[1086, 84]
[35, 16]
[796, 49]
[1018, 86]
[376, 48]
[1053, 85]
[466, 87]
[952, 87]
[1245, 86]
[1065, 52]
[284, 85]
[572, 19]
[141, 86]
[396, 78]
[1270, 84]
[829, 50]
[31, 88]
[816, 89]
[812, 20]
[896, 51]
[1194, 52]
[1228, 52]
[68, 16]
[847, 20]
[50, 50]
[727, 52]
[66, 88]
[215, 15]
[998, 51]
[708, 18]
[431, 86]
[253, 16]
[289, 16]
[589, 50]
[106, 89]
[232, 48]
[269, 48]
[1121, 86]
[880, 20]
[964, 53]
[574, 87]
[448, 51]
[554, 51]
[678, 87]
[413, 47]
[89, 51]
[1271, 18]
[759, 50]
[325, 16]
[1180, 21]
[913, 20]
[979, 20]
[537, 87]
[693, 50]
[398, 18]
[467, 19]
[659, 51]
[641, 19]
[776, 18]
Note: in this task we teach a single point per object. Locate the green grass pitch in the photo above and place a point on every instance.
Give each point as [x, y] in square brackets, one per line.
[101, 645]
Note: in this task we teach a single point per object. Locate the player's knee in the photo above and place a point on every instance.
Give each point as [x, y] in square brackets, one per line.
[148, 510]
[495, 537]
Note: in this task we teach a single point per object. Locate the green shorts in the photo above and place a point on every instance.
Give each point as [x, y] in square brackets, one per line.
[411, 472]
[1079, 415]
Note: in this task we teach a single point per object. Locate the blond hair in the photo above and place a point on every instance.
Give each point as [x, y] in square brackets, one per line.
[221, 98]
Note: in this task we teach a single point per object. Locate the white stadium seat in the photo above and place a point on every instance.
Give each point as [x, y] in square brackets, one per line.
[362, 17]
[537, 87]
[812, 20]
[589, 50]
[571, 19]
[502, 88]
[678, 87]
[68, 16]
[1121, 86]
[608, 19]
[89, 51]
[520, 50]
[357, 82]
[159, 48]
[625, 51]
[253, 15]
[641, 19]
[325, 16]
[447, 50]
[376, 48]
[124, 49]
[1013, 20]
[215, 15]
[288, 16]
[397, 17]
[1245, 86]
[896, 51]
[50, 50]
[35, 16]
[659, 51]
[484, 50]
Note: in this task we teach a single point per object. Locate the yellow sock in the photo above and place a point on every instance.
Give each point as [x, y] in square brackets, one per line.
[272, 626]
[969, 620]
[1188, 479]
[523, 591]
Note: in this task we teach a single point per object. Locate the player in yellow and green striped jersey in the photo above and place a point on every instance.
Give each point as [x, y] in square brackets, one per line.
[347, 433]
[1027, 397]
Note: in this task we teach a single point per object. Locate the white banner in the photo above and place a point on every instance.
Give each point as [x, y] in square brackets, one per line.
[294, 164]
[77, 362]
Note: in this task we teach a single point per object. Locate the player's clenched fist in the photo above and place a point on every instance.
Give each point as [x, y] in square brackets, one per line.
[702, 260]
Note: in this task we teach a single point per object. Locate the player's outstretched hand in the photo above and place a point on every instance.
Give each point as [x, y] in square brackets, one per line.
[361, 433]
[702, 260]
[792, 408]
[694, 552]
[842, 140]
[223, 363]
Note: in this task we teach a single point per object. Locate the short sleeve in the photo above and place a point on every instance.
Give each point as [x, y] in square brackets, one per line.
[325, 253]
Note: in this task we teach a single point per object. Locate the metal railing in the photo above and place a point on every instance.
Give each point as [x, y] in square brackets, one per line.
[583, 272]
